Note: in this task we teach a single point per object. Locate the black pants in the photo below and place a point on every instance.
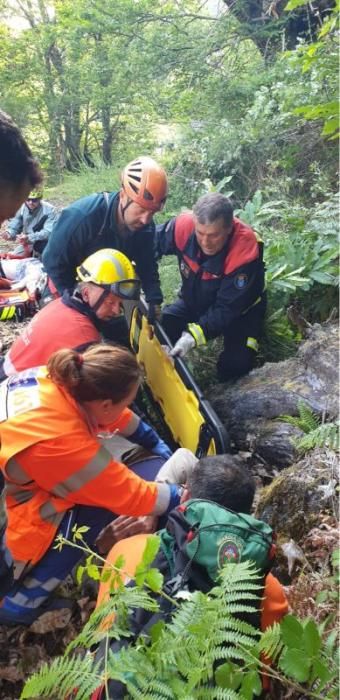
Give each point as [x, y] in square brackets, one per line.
[240, 340]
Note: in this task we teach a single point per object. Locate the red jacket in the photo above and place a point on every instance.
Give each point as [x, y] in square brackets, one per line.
[216, 289]
[58, 325]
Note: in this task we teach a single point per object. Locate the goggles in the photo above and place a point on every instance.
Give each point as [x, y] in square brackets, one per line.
[126, 289]
[33, 199]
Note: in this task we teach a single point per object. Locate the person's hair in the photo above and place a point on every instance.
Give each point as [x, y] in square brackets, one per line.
[225, 480]
[213, 206]
[17, 164]
[100, 372]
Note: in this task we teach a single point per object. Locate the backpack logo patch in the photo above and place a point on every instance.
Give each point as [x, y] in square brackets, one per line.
[241, 281]
[229, 551]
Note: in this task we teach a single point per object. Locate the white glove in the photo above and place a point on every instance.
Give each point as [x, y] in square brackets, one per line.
[178, 467]
[183, 345]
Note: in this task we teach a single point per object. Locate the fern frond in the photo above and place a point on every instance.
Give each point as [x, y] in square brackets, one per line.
[59, 678]
[325, 435]
[307, 420]
[270, 642]
[95, 629]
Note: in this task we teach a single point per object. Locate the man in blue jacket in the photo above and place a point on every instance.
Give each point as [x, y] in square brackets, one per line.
[220, 261]
[122, 220]
[32, 224]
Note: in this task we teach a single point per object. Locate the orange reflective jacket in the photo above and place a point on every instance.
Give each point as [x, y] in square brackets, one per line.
[52, 460]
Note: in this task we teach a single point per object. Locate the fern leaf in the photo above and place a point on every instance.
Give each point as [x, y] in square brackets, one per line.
[59, 678]
[325, 435]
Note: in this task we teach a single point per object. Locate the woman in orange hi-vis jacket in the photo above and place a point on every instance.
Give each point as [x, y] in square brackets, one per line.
[59, 474]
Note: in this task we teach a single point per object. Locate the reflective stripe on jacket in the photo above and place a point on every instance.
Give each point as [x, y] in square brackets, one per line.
[52, 460]
[219, 288]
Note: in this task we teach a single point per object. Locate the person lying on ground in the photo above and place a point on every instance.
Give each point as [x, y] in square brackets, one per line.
[19, 173]
[105, 279]
[223, 283]
[32, 224]
[58, 473]
[222, 480]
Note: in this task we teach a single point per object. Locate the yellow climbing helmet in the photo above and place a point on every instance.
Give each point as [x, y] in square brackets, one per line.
[112, 270]
[36, 194]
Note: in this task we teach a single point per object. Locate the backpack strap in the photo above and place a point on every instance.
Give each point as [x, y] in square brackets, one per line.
[107, 212]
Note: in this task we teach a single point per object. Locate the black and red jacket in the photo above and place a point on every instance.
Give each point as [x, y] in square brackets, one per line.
[219, 288]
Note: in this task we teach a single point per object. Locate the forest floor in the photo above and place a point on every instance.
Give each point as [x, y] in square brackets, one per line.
[24, 649]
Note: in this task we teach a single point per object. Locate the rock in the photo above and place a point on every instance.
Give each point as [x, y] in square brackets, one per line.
[250, 407]
[295, 499]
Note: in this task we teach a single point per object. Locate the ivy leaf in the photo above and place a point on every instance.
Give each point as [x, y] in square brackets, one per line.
[291, 631]
[295, 664]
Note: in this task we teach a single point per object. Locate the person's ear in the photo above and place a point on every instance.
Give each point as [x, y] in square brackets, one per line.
[85, 294]
[123, 198]
[106, 405]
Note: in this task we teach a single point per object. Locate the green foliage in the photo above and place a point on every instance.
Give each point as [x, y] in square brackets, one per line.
[317, 434]
[218, 655]
[325, 435]
[306, 420]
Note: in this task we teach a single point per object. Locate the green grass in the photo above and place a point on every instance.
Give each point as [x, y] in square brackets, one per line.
[85, 181]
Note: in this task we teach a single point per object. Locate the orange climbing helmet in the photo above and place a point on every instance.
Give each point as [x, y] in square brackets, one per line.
[145, 182]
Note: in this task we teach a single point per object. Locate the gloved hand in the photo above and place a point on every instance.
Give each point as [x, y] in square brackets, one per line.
[183, 345]
[154, 313]
[178, 468]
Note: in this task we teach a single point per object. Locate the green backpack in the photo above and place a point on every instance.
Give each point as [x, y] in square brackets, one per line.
[209, 536]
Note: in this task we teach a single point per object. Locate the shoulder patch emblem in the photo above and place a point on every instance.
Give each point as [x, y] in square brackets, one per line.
[229, 551]
[185, 269]
[241, 281]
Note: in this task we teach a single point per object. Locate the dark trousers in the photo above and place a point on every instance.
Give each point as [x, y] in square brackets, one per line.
[23, 601]
[240, 340]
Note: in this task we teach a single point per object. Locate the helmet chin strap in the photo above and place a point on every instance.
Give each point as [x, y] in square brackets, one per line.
[100, 300]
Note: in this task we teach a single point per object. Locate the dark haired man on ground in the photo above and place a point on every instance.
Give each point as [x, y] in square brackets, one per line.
[223, 480]
[222, 293]
[19, 173]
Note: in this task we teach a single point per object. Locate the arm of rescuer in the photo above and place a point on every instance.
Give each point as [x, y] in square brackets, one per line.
[136, 430]
[82, 472]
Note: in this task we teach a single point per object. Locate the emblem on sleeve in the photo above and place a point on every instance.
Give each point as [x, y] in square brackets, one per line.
[241, 281]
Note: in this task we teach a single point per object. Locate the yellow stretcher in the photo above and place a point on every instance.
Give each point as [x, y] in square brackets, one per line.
[188, 415]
